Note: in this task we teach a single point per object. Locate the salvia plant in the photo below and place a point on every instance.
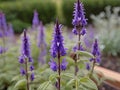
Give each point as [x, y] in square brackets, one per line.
[35, 21]
[64, 71]
[41, 44]
[26, 61]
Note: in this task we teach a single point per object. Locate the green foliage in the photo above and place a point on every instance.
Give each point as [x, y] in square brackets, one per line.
[91, 7]
[23, 11]
[108, 25]
[19, 26]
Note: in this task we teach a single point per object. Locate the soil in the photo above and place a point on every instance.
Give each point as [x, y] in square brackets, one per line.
[112, 63]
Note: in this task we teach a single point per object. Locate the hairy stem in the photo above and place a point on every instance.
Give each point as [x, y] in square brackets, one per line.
[27, 77]
[92, 68]
[59, 70]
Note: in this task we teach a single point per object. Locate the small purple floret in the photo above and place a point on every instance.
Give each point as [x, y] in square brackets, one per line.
[53, 65]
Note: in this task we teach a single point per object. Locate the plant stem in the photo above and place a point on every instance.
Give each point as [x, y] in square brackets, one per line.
[76, 83]
[3, 49]
[92, 68]
[27, 77]
[59, 70]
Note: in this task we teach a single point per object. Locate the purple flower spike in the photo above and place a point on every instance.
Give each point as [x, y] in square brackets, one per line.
[32, 77]
[10, 30]
[25, 49]
[64, 65]
[53, 65]
[57, 42]
[41, 37]
[22, 71]
[3, 25]
[96, 51]
[79, 18]
[35, 21]
[26, 58]
[88, 66]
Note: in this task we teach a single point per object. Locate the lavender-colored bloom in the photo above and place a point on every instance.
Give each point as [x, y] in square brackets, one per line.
[32, 77]
[96, 52]
[64, 65]
[57, 42]
[35, 21]
[25, 57]
[83, 31]
[53, 65]
[42, 55]
[79, 18]
[22, 71]
[75, 31]
[98, 59]
[3, 24]
[2, 50]
[21, 60]
[31, 68]
[41, 37]
[30, 59]
[10, 30]
[87, 66]
[89, 38]
[25, 49]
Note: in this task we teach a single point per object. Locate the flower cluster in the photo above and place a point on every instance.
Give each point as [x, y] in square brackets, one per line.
[5, 30]
[95, 52]
[57, 47]
[2, 50]
[35, 21]
[26, 56]
[3, 25]
[42, 44]
[79, 19]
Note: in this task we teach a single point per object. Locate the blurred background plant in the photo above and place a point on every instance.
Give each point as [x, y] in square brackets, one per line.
[107, 25]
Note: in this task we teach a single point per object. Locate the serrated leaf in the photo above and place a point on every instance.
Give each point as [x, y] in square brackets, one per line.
[44, 85]
[72, 81]
[20, 83]
[87, 82]
[84, 53]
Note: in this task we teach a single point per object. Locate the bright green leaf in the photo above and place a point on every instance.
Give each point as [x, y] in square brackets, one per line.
[20, 83]
[44, 85]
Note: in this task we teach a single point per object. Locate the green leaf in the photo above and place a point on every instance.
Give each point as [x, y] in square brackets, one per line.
[72, 81]
[16, 78]
[20, 83]
[67, 75]
[86, 54]
[87, 82]
[44, 85]
[53, 76]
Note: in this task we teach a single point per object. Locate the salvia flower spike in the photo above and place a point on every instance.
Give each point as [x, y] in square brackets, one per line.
[57, 50]
[35, 21]
[96, 54]
[26, 60]
[79, 18]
